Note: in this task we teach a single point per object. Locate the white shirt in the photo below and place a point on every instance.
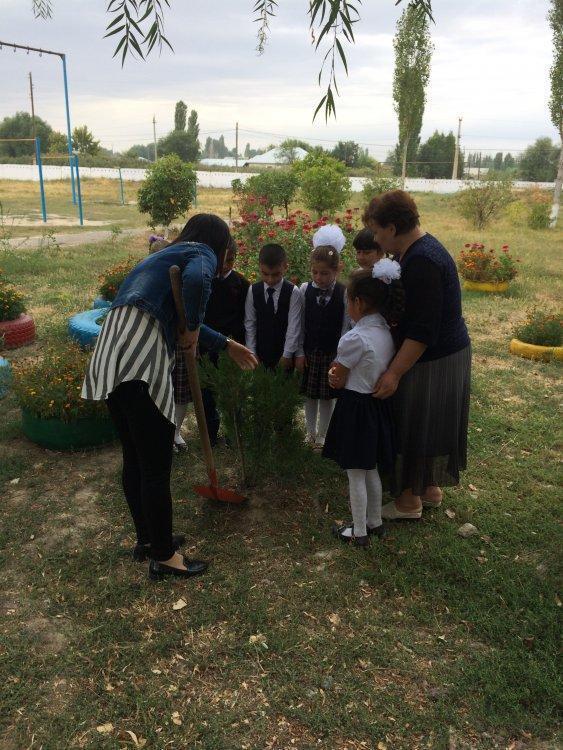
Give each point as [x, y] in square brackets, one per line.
[366, 351]
[345, 317]
[293, 345]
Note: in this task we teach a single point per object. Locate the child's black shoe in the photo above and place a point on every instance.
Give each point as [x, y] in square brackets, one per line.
[346, 534]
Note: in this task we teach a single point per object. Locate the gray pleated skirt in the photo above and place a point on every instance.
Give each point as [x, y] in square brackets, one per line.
[431, 412]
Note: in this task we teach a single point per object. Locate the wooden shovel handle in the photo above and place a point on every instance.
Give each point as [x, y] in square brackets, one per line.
[193, 377]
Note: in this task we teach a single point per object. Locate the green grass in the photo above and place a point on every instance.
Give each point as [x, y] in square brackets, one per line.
[425, 641]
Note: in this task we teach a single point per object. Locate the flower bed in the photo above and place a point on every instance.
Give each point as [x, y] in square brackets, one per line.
[16, 327]
[53, 413]
[258, 227]
[540, 337]
[484, 270]
[113, 277]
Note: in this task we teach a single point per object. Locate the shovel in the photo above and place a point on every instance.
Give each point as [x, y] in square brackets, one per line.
[211, 491]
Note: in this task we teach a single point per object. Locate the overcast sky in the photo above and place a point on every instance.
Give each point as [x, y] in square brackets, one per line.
[490, 66]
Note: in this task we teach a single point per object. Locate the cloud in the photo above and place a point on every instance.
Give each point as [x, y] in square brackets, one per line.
[490, 65]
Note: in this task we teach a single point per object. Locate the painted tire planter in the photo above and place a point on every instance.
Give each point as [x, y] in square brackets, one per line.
[100, 303]
[18, 332]
[535, 351]
[498, 287]
[85, 327]
[55, 434]
[5, 376]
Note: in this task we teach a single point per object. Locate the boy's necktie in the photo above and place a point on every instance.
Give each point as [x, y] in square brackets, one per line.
[270, 302]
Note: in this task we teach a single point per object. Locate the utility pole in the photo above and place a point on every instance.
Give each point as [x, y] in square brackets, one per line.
[33, 128]
[236, 149]
[456, 155]
[154, 136]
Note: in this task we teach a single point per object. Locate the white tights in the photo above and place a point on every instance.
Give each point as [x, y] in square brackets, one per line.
[321, 409]
[179, 416]
[365, 499]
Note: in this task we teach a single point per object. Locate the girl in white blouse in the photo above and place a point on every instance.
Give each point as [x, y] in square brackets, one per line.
[360, 437]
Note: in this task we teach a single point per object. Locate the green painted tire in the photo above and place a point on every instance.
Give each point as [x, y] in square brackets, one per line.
[62, 436]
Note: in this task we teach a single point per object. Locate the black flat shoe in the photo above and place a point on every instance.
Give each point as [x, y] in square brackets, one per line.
[158, 571]
[141, 552]
[343, 533]
[379, 531]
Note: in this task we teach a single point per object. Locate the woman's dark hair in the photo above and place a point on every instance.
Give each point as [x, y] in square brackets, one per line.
[209, 230]
[365, 240]
[387, 299]
[232, 247]
[272, 255]
[395, 207]
[326, 254]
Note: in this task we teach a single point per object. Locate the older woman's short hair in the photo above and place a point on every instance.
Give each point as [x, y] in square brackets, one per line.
[395, 207]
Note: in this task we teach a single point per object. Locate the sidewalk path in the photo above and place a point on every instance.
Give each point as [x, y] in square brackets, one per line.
[73, 239]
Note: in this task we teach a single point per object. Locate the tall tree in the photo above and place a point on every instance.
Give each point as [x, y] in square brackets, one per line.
[555, 17]
[509, 162]
[139, 25]
[84, 142]
[180, 113]
[436, 156]
[413, 53]
[539, 161]
[348, 152]
[20, 126]
[498, 161]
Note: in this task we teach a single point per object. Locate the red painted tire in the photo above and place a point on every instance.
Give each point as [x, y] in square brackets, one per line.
[18, 332]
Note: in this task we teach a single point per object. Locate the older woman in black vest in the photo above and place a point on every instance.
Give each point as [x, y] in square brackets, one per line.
[429, 377]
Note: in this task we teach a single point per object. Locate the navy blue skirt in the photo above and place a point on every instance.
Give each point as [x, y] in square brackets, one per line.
[361, 434]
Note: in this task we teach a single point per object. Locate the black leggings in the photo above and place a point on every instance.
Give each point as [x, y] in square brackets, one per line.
[146, 439]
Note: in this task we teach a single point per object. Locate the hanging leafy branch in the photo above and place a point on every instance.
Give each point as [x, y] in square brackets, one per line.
[42, 9]
[141, 25]
[263, 11]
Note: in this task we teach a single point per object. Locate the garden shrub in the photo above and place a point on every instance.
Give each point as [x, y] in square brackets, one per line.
[542, 328]
[112, 278]
[324, 183]
[540, 215]
[278, 188]
[168, 190]
[12, 301]
[481, 202]
[266, 405]
[377, 185]
[49, 386]
[476, 263]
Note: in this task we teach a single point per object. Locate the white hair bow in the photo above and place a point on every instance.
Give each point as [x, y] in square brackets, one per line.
[386, 270]
[330, 235]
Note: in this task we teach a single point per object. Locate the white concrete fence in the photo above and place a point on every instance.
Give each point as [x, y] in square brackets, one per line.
[224, 179]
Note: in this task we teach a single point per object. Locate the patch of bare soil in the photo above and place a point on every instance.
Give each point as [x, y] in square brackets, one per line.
[47, 634]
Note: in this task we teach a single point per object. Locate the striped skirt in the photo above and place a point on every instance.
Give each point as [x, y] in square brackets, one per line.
[431, 413]
[315, 376]
[131, 346]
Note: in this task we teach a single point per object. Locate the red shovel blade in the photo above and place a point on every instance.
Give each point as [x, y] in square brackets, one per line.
[218, 493]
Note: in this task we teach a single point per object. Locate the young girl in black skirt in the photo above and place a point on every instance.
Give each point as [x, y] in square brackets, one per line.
[324, 322]
[360, 437]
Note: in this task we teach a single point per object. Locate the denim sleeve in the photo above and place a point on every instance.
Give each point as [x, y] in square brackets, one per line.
[212, 340]
[196, 285]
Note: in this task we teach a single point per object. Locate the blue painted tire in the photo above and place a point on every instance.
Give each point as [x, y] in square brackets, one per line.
[100, 303]
[85, 327]
[5, 376]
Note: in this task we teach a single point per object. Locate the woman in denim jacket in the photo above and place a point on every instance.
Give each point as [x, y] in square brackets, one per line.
[131, 370]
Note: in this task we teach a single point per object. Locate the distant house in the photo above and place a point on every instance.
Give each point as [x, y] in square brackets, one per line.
[275, 158]
[227, 161]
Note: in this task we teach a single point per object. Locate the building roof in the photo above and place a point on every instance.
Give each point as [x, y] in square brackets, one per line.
[274, 157]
